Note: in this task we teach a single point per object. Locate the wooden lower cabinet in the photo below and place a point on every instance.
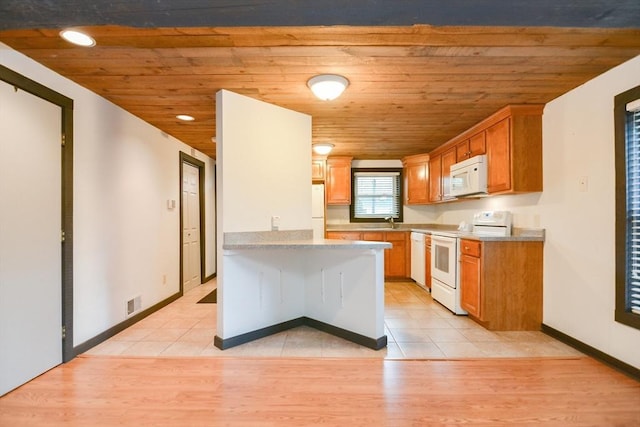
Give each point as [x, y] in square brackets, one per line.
[501, 283]
[396, 259]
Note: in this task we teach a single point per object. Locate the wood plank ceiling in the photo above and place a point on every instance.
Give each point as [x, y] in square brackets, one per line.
[412, 88]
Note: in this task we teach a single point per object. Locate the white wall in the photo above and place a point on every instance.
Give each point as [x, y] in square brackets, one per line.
[125, 238]
[264, 168]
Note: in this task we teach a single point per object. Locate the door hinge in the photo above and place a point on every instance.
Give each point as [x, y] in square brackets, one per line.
[64, 332]
[64, 139]
[62, 235]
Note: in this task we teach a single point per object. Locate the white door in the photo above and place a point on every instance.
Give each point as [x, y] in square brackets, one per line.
[190, 227]
[30, 247]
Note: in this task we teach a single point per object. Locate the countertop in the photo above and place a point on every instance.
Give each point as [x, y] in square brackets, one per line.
[292, 239]
[517, 234]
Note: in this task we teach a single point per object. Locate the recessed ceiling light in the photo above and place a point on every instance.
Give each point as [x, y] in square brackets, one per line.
[78, 38]
[185, 117]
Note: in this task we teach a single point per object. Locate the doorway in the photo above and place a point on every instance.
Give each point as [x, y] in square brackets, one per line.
[36, 300]
[192, 230]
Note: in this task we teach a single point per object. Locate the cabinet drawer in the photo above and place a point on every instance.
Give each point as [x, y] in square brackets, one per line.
[470, 247]
[344, 235]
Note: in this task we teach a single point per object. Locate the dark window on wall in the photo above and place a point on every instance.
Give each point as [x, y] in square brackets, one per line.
[627, 137]
[376, 195]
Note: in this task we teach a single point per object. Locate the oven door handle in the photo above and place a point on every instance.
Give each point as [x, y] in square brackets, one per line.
[444, 240]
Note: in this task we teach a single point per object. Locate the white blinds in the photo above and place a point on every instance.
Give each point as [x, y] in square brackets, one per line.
[633, 208]
[377, 194]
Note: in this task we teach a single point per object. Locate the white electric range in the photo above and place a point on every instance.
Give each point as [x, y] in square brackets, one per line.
[445, 269]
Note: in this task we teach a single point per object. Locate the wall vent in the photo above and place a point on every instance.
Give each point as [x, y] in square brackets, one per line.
[134, 305]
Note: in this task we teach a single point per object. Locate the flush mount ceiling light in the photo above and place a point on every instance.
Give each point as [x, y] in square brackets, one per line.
[327, 86]
[322, 148]
[185, 117]
[78, 38]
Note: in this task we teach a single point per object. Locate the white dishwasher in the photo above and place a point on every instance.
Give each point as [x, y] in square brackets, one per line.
[417, 258]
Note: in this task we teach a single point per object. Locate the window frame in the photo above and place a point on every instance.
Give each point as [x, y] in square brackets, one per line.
[352, 207]
[623, 313]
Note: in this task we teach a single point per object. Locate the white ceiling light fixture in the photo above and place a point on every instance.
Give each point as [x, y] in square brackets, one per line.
[322, 148]
[185, 117]
[327, 86]
[78, 38]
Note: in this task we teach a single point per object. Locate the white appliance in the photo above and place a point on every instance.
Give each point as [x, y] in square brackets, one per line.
[417, 258]
[445, 278]
[469, 177]
[492, 223]
[317, 211]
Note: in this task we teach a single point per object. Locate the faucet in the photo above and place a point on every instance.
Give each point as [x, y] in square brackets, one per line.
[390, 220]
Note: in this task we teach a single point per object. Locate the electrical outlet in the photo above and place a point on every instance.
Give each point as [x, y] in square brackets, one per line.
[275, 223]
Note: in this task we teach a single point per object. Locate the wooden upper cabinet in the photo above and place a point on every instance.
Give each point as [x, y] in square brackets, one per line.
[448, 159]
[435, 178]
[416, 175]
[514, 150]
[317, 170]
[338, 181]
[512, 140]
[498, 161]
[471, 147]
[462, 151]
[477, 144]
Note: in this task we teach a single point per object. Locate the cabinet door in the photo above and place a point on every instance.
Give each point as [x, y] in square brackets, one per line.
[395, 260]
[498, 157]
[470, 286]
[373, 236]
[477, 144]
[435, 178]
[417, 183]
[338, 182]
[462, 151]
[317, 170]
[448, 159]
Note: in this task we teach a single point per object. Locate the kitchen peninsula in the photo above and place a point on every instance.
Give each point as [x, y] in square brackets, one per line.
[282, 279]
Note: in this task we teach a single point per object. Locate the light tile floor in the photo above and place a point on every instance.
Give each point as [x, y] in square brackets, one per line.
[416, 326]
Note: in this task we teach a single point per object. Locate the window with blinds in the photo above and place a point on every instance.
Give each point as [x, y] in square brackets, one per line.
[627, 117]
[376, 195]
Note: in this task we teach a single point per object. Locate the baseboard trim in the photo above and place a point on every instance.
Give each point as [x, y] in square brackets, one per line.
[92, 342]
[209, 277]
[372, 343]
[226, 343]
[611, 361]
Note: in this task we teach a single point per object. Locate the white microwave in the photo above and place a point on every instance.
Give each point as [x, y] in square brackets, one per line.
[469, 177]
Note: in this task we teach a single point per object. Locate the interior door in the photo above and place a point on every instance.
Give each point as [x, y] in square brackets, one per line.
[30, 243]
[190, 227]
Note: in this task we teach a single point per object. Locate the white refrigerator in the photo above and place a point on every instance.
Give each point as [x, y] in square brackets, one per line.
[317, 211]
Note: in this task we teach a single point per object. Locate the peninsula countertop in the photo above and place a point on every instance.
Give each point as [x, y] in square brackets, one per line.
[292, 239]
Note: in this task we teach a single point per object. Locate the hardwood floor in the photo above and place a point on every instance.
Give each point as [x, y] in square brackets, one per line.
[107, 391]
